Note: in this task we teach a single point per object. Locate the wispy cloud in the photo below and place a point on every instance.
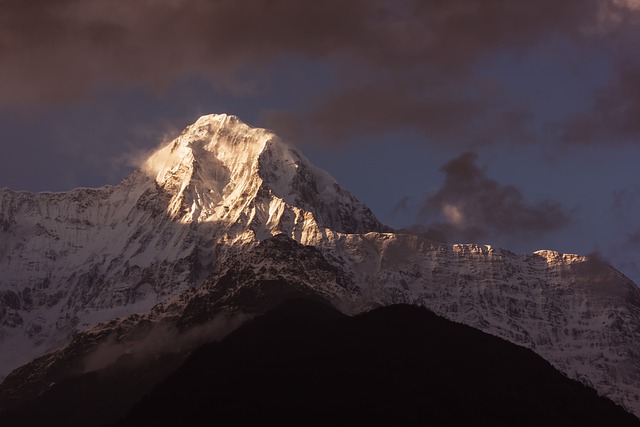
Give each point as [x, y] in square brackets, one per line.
[158, 339]
[471, 206]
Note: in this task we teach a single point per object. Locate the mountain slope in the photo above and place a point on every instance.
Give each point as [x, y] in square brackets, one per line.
[229, 219]
[399, 364]
[71, 260]
[306, 363]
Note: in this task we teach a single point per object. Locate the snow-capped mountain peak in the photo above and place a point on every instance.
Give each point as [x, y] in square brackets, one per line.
[73, 259]
[210, 164]
[219, 168]
[228, 216]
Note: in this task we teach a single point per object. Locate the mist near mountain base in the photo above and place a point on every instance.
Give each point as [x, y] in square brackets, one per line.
[161, 338]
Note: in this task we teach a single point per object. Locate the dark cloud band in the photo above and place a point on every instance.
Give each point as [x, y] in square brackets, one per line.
[408, 64]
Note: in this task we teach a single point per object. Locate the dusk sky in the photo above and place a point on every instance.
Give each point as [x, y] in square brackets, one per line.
[514, 123]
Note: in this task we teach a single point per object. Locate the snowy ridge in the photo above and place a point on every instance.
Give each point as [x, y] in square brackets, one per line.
[220, 169]
[580, 314]
[71, 260]
[225, 208]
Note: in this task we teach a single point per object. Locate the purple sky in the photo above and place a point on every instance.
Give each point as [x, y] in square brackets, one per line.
[513, 123]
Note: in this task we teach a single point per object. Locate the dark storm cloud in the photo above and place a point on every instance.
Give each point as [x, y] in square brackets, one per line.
[58, 49]
[429, 85]
[613, 117]
[398, 65]
[472, 206]
[382, 107]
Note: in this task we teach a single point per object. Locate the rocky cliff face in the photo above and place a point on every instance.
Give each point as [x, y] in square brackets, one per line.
[71, 260]
[228, 218]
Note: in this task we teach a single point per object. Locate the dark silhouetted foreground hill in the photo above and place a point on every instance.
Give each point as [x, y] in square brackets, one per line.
[305, 363]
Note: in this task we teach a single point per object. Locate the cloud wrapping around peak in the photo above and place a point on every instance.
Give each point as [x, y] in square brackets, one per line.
[473, 206]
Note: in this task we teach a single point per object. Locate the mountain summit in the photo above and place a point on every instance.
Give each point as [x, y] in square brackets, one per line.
[71, 260]
[229, 220]
[221, 169]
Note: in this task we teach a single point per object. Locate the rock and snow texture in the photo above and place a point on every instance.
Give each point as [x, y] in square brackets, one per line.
[204, 208]
[71, 260]
[579, 313]
[222, 170]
